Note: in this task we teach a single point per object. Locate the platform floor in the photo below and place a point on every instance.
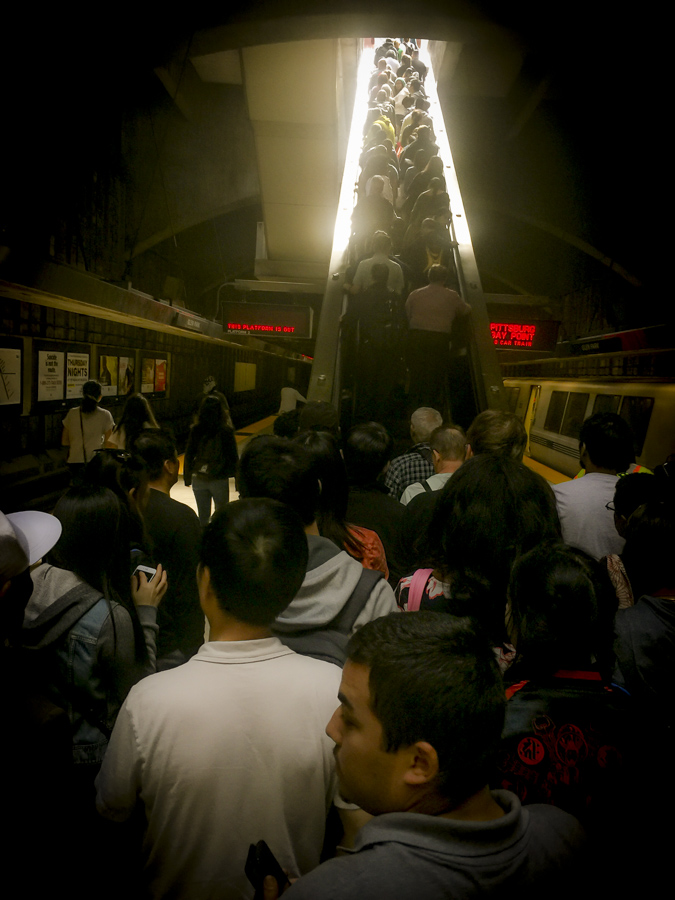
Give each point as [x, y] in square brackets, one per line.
[550, 475]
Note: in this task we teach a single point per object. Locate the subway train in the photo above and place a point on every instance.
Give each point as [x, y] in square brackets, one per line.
[552, 411]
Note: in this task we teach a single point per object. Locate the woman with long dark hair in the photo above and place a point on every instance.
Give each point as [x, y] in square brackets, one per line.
[488, 514]
[90, 626]
[361, 543]
[136, 416]
[86, 428]
[211, 456]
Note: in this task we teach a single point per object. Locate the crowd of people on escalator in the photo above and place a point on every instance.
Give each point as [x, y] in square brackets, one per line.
[499, 651]
[397, 328]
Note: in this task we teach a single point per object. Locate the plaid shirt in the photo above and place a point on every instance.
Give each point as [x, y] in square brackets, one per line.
[406, 470]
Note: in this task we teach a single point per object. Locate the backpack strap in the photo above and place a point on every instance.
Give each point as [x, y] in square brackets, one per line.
[416, 589]
[425, 453]
[344, 620]
[426, 487]
[329, 642]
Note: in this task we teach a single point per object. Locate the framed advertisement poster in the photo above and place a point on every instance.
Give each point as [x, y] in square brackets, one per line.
[50, 378]
[107, 375]
[126, 378]
[10, 376]
[77, 374]
[160, 374]
[147, 376]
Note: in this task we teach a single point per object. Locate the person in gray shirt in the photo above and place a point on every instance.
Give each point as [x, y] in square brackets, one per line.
[420, 717]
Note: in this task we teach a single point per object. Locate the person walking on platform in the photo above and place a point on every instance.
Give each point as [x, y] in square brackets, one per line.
[86, 428]
[211, 456]
[136, 416]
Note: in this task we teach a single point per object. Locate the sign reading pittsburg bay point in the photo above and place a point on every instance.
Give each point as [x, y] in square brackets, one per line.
[540, 335]
[267, 318]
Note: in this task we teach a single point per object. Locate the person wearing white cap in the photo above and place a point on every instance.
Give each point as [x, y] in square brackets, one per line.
[35, 753]
[89, 627]
[25, 537]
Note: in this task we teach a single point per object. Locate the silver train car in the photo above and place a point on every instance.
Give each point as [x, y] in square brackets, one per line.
[553, 410]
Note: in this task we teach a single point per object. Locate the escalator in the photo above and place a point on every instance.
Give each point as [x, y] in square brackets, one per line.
[474, 377]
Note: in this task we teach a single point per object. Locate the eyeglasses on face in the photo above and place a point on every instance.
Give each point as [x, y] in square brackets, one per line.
[121, 455]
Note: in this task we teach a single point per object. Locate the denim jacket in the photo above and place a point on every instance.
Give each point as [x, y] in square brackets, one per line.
[85, 651]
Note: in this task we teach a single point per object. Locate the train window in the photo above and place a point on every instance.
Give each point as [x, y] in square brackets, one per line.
[637, 412]
[575, 413]
[556, 408]
[512, 395]
[605, 403]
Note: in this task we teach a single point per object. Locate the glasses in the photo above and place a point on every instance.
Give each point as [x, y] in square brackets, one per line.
[121, 455]
[610, 506]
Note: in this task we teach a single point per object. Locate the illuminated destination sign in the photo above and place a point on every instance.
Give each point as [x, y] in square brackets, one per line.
[267, 319]
[524, 335]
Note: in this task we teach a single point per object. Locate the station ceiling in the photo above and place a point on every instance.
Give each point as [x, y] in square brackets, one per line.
[546, 110]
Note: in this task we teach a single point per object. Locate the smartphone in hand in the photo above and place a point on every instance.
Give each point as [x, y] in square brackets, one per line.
[149, 571]
[261, 862]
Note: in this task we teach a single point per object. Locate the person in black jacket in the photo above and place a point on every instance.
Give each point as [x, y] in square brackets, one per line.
[211, 456]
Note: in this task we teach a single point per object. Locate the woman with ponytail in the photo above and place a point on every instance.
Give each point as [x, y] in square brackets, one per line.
[86, 428]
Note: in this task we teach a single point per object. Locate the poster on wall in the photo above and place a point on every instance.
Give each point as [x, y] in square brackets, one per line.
[107, 375]
[160, 374]
[50, 375]
[126, 382]
[148, 376]
[10, 376]
[77, 374]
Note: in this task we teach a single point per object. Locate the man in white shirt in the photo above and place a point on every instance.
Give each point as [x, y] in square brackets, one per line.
[605, 451]
[229, 748]
[381, 250]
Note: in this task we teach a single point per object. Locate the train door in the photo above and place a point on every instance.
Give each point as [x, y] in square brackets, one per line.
[535, 391]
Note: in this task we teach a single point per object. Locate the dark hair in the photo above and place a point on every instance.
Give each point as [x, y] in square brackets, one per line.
[256, 553]
[286, 423]
[633, 490]
[449, 441]
[488, 514]
[367, 451]
[561, 609]
[320, 416]
[434, 678]
[497, 432]
[608, 441]
[135, 416]
[122, 472]
[155, 446]
[95, 545]
[330, 469]
[91, 391]
[213, 416]
[275, 467]
[437, 274]
[650, 538]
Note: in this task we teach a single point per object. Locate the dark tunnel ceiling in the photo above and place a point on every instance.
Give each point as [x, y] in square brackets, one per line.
[575, 165]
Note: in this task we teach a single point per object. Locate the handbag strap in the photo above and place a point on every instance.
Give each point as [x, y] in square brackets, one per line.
[416, 589]
[84, 448]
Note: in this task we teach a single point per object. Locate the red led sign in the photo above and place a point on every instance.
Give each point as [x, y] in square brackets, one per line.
[267, 318]
[512, 334]
[542, 334]
[245, 326]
